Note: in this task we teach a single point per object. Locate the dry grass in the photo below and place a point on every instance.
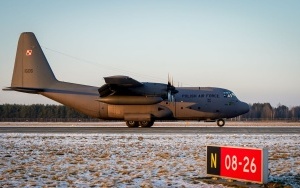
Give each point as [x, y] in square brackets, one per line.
[124, 160]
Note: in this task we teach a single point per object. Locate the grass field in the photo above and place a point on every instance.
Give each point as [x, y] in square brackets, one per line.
[130, 160]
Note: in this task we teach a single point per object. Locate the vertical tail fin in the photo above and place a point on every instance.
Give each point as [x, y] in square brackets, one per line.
[31, 66]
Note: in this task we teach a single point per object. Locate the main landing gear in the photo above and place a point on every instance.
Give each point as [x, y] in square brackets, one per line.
[220, 122]
[133, 124]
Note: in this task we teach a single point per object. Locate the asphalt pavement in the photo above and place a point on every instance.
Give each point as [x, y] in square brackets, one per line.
[154, 130]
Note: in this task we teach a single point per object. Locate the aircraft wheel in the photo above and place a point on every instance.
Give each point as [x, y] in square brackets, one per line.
[146, 123]
[132, 124]
[220, 122]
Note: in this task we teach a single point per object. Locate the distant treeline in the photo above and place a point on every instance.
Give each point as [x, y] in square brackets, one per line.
[41, 112]
[264, 111]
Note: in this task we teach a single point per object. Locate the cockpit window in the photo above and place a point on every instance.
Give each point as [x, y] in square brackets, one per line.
[228, 94]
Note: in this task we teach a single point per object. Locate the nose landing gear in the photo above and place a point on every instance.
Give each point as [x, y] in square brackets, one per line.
[220, 122]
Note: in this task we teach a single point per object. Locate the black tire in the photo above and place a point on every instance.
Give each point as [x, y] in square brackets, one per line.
[145, 124]
[132, 124]
[220, 122]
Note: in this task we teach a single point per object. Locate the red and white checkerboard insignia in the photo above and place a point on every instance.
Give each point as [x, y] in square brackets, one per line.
[28, 52]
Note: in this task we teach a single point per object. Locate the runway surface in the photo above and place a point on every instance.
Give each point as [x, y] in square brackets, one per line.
[154, 130]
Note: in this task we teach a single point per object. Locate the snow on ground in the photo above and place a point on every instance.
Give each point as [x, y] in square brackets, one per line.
[130, 160]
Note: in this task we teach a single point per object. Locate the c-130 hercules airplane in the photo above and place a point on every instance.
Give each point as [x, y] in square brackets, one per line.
[121, 98]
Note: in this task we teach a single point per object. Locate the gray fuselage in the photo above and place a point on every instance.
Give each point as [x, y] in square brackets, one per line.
[190, 103]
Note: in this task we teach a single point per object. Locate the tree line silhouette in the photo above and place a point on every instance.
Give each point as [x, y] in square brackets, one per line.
[264, 111]
[41, 112]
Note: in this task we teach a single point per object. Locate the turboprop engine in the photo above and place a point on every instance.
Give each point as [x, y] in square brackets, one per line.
[120, 89]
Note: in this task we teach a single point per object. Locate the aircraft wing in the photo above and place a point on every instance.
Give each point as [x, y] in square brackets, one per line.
[123, 81]
[119, 85]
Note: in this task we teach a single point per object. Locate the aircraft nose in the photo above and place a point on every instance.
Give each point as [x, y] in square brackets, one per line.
[244, 108]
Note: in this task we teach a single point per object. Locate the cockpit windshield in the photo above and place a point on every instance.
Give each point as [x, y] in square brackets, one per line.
[228, 94]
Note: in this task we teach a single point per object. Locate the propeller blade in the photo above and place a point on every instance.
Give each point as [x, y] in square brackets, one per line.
[169, 82]
[170, 87]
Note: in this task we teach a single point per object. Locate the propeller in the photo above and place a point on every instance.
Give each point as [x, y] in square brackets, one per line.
[171, 90]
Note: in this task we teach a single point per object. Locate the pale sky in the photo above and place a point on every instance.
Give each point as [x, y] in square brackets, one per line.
[249, 47]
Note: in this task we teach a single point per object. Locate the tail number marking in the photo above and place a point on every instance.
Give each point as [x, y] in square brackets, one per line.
[28, 70]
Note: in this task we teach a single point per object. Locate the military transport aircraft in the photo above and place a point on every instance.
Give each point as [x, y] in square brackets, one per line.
[122, 97]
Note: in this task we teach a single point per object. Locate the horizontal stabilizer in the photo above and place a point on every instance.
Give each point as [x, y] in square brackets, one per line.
[24, 89]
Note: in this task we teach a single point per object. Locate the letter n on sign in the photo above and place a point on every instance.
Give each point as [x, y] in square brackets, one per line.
[213, 160]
